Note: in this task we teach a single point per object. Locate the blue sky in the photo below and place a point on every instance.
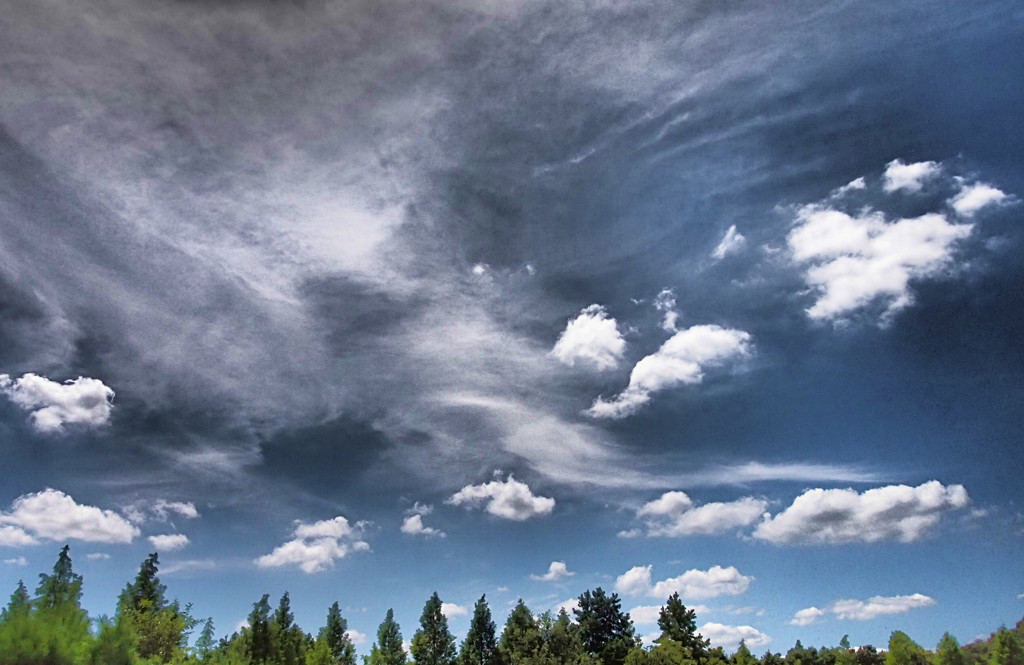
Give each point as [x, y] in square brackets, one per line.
[363, 300]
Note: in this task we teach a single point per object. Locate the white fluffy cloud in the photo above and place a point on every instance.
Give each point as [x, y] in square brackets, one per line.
[908, 177]
[12, 536]
[894, 512]
[317, 546]
[732, 242]
[807, 616]
[974, 197]
[508, 499]
[568, 606]
[711, 583]
[53, 515]
[83, 401]
[674, 514]
[592, 338]
[682, 359]
[356, 637]
[644, 615]
[556, 571]
[413, 526]
[852, 262]
[169, 542]
[863, 610]
[450, 610]
[728, 637]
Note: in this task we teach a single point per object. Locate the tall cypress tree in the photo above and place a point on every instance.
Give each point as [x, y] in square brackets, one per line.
[335, 632]
[433, 643]
[388, 650]
[481, 645]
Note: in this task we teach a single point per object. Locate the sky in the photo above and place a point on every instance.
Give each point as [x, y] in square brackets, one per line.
[362, 300]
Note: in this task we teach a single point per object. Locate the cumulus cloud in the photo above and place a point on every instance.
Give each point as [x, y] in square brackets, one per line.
[644, 615]
[863, 610]
[508, 499]
[674, 514]
[82, 401]
[568, 606]
[592, 338]
[53, 515]
[317, 546]
[807, 616]
[665, 302]
[682, 359]
[728, 637]
[169, 542]
[164, 509]
[894, 512]
[356, 637]
[413, 526]
[698, 584]
[450, 610]
[854, 261]
[556, 571]
[12, 536]
[974, 197]
[908, 177]
[731, 243]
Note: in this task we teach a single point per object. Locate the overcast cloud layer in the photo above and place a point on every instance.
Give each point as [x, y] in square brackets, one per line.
[342, 297]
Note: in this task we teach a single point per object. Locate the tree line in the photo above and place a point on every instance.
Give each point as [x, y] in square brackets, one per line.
[51, 628]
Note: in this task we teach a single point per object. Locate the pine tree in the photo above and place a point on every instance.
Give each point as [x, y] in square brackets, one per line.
[257, 635]
[433, 644]
[335, 633]
[606, 631]
[388, 650]
[521, 640]
[679, 624]
[562, 643]
[480, 646]
[205, 641]
[19, 605]
[61, 589]
[146, 587]
[285, 635]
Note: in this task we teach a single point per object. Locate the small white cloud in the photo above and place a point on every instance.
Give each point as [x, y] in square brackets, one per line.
[907, 177]
[973, 198]
[82, 401]
[645, 615]
[169, 542]
[860, 610]
[629, 533]
[356, 637]
[592, 338]
[17, 561]
[97, 556]
[317, 546]
[729, 637]
[711, 583]
[53, 515]
[665, 302]
[556, 571]
[853, 262]
[480, 269]
[508, 499]
[807, 616]
[731, 243]
[674, 515]
[164, 509]
[682, 359]
[450, 610]
[853, 185]
[413, 526]
[568, 606]
[894, 512]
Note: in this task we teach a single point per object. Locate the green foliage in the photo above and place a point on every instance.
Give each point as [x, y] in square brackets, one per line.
[335, 634]
[433, 644]
[388, 649]
[562, 644]
[743, 655]
[670, 652]
[1006, 649]
[480, 646]
[679, 624]
[868, 655]
[948, 652]
[606, 631]
[160, 629]
[114, 645]
[521, 639]
[20, 604]
[287, 639]
[904, 651]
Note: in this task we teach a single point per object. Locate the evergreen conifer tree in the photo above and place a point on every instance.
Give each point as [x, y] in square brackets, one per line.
[480, 646]
[433, 643]
[679, 624]
[388, 649]
[606, 631]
